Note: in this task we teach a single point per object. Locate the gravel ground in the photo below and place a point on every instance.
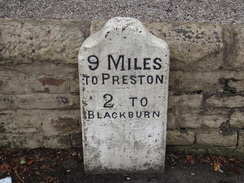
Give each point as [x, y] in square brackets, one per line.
[218, 11]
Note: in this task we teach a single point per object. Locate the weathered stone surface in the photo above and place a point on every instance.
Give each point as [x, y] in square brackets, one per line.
[239, 41]
[171, 123]
[4, 140]
[237, 84]
[201, 121]
[74, 86]
[43, 121]
[118, 135]
[26, 141]
[216, 138]
[41, 69]
[39, 101]
[35, 140]
[61, 122]
[177, 137]
[37, 78]
[40, 40]
[241, 138]
[24, 84]
[234, 51]
[57, 141]
[237, 119]
[185, 101]
[96, 25]
[196, 118]
[225, 101]
[21, 121]
[194, 81]
[192, 46]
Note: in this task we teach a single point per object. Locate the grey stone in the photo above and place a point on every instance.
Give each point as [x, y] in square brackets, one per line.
[225, 101]
[39, 40]
[216, 138]
[177, 137]
[237, 119]
[124, 116]
[39, 101]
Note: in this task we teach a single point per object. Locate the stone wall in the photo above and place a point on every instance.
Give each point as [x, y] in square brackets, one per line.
[39, 87]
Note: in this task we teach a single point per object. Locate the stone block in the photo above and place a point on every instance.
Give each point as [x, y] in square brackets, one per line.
[26, 141]
[185, 101]
[180, 137]
[192, 46]
[195, 81]
[40, 69]
[26, 41]
[74, 86]
[57, 141]
[241, 138]
[228, 101]
[61, 122]
[192, 81]
[4, 141]
[39, 101]
[216, 138]
[234, 51]
[171, 121]
[237, 119]
[201, 121]
[97, 25]
[239, 41]
[19, 121]
[49, 122]
[23, 84]
[197, 119]
[237, 84]
[44, 79]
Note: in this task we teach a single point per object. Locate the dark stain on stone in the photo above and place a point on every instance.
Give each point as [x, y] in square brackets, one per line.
[2, 129]
[198, 37]
[226, 87]
[185, 33]
[76, 140]
[226, 129]
[51, 81]
[84, 113]
[106, 35]
[123, 29]
[183, 131]
[84, 103]
[46, 90]
[65, 100]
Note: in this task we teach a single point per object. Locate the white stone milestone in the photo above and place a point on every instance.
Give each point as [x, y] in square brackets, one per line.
[124, 73]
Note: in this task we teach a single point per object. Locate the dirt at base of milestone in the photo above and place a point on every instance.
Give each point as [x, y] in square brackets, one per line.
[57, 166]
